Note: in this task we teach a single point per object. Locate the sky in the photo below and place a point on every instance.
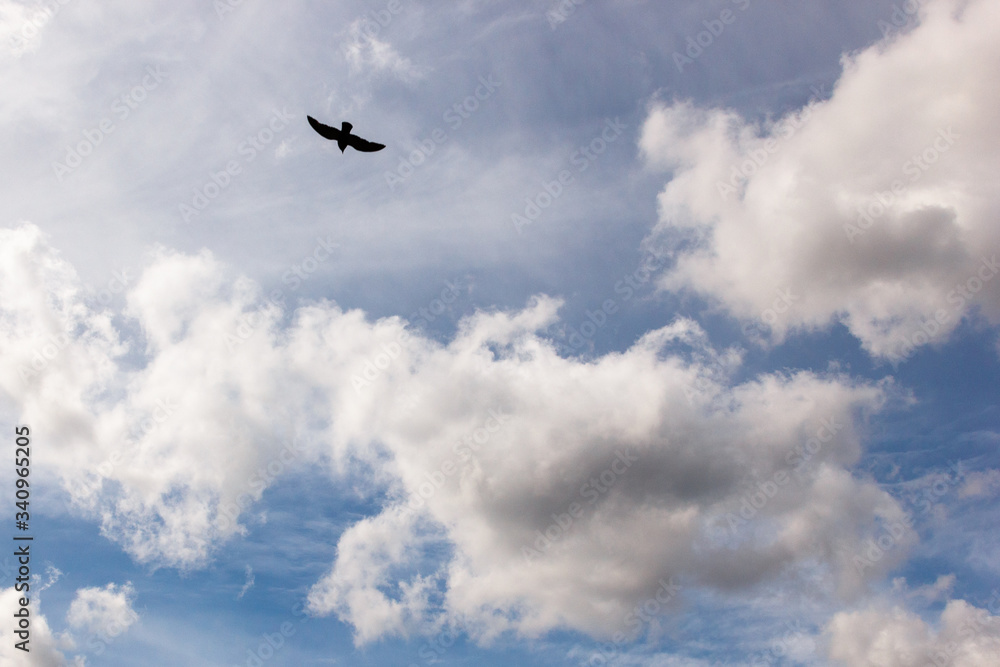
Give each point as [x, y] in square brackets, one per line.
[660, 333]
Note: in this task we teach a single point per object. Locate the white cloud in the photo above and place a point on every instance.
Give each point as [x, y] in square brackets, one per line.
[367, 553]
[45, 650]
[57, 352]
[879, 637]
[981, 483]
[19, 27]
[53, 574]
[939, 590]
[366, 53]
[248, 584]
[105, 612]
[775, 207]
[565, 490]
[22, 26]
[657, 478]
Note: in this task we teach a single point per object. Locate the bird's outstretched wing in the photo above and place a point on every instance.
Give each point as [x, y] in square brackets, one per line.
[325, 131]
[363, 145]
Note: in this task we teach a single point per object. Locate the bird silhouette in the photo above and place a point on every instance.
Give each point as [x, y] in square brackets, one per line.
[343, 137]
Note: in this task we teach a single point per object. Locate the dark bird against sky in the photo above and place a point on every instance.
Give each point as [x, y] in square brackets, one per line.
[344, 138]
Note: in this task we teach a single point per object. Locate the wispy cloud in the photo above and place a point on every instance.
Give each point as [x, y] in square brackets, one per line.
[248, 584]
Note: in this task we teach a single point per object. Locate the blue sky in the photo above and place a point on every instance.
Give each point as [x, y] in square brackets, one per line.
[659, 333]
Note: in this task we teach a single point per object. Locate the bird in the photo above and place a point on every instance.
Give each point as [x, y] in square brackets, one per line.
[343, 137]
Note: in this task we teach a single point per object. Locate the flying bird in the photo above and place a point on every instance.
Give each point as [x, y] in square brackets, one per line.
[344, 138]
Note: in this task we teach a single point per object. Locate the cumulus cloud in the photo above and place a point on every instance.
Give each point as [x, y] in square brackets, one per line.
[58, 352]
[371, 553]
[104, 612]
[875, 208]
[101, 613]
[569, 491]
[563, 492]
[126, 444]
[45, 649]
[881, 637]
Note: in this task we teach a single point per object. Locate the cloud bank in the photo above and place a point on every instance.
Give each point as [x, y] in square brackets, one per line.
[566, 492]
